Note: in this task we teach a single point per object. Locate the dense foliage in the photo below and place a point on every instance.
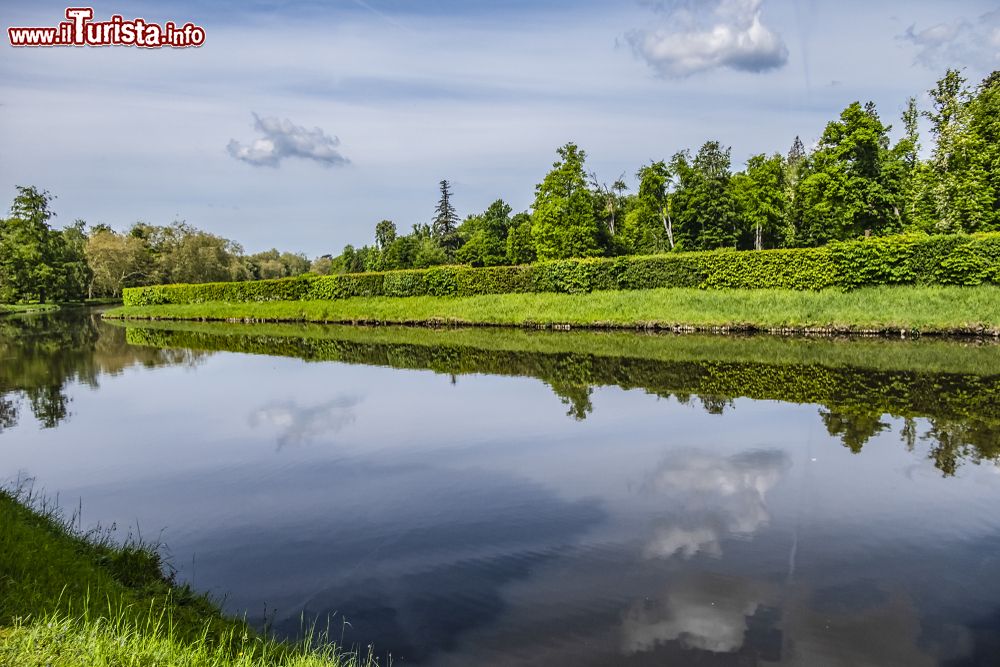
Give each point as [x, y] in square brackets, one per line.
[856, 182]
[893, 260]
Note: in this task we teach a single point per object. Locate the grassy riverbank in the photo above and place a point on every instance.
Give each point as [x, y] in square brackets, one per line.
[74, 599]
[969, 310]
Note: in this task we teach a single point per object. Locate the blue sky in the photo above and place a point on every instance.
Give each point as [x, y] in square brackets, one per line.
[302, 124]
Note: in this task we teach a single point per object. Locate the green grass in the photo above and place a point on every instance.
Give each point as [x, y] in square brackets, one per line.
[874, 309]
[79, 599]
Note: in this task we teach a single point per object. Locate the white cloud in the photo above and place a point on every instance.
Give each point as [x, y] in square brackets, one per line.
[701, 36]
[958, 43]
[283, 139]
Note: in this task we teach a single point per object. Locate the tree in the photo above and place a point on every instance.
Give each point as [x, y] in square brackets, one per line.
[850, 185]
[610, 200]
[322, 266]
[520, 246]
[985, 122]
[400, 253]
[385, 233]
[76, 269]
[563, 222]
[759, 193]
[445, 221]
[188, 255]
[702, 204]
[795, 163]
[486, 236]
[648, 226]
[33, 257]
[116, 261]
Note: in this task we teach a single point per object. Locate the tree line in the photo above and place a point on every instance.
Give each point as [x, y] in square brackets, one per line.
[854, 182]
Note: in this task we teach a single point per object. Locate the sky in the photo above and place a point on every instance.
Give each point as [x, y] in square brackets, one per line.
[300, 125]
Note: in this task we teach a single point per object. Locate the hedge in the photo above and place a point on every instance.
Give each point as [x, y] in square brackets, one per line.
[921, 259]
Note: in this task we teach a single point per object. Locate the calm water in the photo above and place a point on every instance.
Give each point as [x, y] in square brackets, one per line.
[516, 498]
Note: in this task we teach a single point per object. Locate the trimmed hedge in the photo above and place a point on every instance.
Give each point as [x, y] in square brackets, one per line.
[891, 260]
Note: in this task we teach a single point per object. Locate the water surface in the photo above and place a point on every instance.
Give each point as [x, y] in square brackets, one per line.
[527, 498]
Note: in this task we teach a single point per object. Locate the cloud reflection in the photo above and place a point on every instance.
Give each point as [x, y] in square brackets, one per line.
[298, 424]
[703, 612]
[723, 496]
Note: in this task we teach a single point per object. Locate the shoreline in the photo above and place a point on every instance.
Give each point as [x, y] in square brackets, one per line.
[960, 312]
[95, 599]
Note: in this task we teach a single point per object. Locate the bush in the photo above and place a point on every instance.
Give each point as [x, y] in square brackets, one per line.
[889, 260]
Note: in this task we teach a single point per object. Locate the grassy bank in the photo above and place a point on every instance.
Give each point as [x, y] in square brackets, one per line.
[74, 599]
[967, 310]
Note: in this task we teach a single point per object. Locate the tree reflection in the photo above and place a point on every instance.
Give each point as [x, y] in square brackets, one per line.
[43, 353]
[853, 428]
[954, 387]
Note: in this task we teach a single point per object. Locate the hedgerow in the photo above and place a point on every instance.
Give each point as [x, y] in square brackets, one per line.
[891, 260]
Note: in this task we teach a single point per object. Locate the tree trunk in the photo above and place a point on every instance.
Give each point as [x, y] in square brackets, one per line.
[668, 225]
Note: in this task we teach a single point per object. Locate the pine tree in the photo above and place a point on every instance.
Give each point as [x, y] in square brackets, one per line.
[445, 221]
[797, 153]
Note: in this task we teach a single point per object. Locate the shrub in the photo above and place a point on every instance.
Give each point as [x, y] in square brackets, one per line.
[888, 260]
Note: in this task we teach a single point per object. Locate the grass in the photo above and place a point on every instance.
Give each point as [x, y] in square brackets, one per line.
[73, 599]
[872, 310]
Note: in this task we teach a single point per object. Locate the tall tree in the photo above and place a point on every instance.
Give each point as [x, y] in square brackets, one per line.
[33, 257]
[445, 221]
[705, 211]
[795, 163]
[385, 233]
[962, 173]
[563, 223]
[850, 186]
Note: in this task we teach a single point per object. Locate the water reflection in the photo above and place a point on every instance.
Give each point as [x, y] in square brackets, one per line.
[706, 612]
[41, 353]
[297, 424]
[715, 497]
[954, 387]
[710, 501]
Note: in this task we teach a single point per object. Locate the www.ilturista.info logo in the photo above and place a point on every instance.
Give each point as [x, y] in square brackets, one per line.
[80, 30]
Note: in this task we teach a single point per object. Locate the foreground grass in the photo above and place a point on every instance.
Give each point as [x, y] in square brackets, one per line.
[74, 599]
[874, 309]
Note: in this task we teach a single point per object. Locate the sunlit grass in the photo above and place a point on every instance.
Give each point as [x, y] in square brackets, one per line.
[77, 598]
[925, 309]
